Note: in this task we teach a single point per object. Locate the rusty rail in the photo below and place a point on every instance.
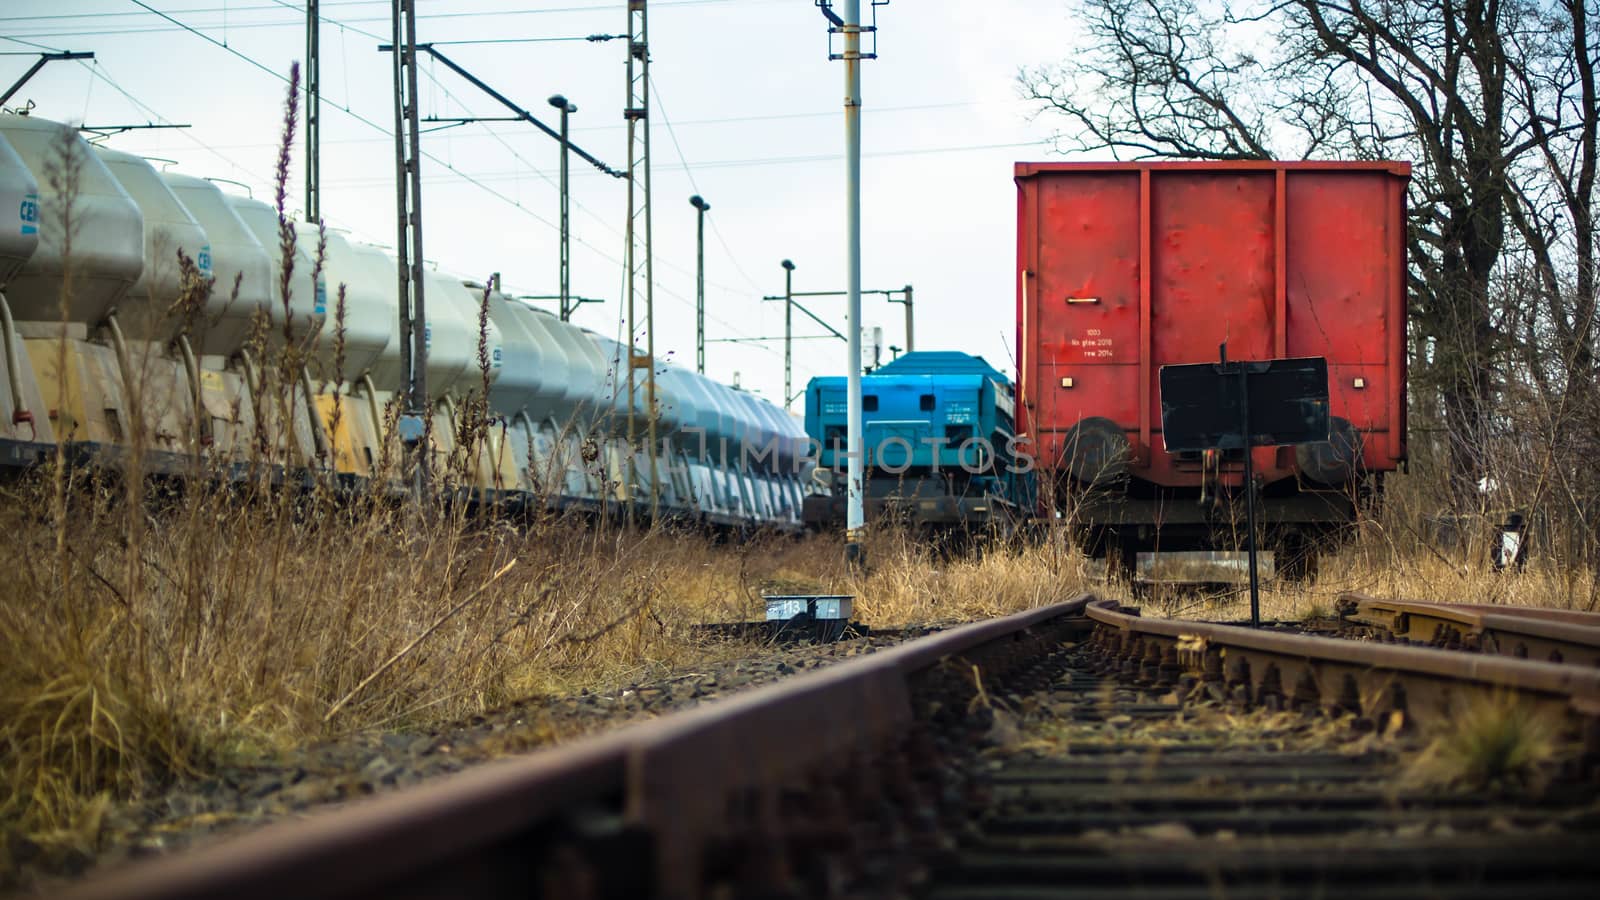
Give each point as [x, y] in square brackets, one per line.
[656, 796]
[1366, 678]
[1115, 789]
[1553, 635]
[676, 807]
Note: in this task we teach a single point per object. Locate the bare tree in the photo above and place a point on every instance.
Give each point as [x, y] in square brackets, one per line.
[1553, 84]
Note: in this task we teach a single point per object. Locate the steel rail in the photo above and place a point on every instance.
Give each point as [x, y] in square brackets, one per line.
[1366, 678]
[1554, 635]
[662, 788]
[650, 809]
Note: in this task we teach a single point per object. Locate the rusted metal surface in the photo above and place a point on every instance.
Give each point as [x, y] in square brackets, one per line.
[1562, 636]
[521, 826]
[1368, 678]
[366, 847]
[1125, 267]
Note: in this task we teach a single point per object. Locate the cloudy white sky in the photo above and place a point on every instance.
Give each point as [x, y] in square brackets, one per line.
[755, 127]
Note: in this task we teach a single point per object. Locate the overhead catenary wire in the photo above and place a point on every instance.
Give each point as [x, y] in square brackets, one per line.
[781, 160]
[680, 123]
[228, 25]
[192, 10]
[17, 40]
[470, 179]
[105, 75]
[98, 70]
[186, 11]
[683, 160]
[592, 38]
[439, 85]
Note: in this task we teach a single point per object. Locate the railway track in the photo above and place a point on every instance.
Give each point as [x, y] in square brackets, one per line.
[1116, 791]
[1076, 746]
[1552, 635]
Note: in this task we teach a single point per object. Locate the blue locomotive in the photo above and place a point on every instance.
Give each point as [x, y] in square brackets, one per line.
[940, 445]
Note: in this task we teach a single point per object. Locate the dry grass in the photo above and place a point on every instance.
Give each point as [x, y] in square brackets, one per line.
[1376, 570]
[1391, 557]
[144, 639]
[1496, 742]
[909, 581]
[144, 642]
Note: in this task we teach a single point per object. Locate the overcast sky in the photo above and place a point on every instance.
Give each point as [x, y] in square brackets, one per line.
[754, 107]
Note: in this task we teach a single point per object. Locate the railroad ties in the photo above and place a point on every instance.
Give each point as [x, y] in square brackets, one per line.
[1112, 788]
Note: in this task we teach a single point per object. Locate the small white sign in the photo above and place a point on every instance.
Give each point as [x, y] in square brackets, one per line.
[828, 606]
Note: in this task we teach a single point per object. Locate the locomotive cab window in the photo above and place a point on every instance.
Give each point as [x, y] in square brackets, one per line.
[869, 402]
[926, 403]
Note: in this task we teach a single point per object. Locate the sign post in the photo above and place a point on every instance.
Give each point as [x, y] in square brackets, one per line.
[1240, 406]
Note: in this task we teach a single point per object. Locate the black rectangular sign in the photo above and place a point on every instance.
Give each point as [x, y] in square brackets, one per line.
[1201, 404]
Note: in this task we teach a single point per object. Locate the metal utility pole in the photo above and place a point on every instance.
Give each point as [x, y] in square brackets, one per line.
[313, 114]
[855, 516]
[567, 108]
[408, 242]
[788, 331]
[850, 27]
[637, 114]
[702, 206]
[905, 297]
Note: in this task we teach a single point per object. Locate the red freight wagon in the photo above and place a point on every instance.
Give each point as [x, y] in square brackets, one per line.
[1125, 267]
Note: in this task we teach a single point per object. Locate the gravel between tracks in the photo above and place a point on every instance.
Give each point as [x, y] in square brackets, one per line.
[239, 797]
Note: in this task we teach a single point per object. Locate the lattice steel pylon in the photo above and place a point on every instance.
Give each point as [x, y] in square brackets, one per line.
[637, 259]
[408, 242]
